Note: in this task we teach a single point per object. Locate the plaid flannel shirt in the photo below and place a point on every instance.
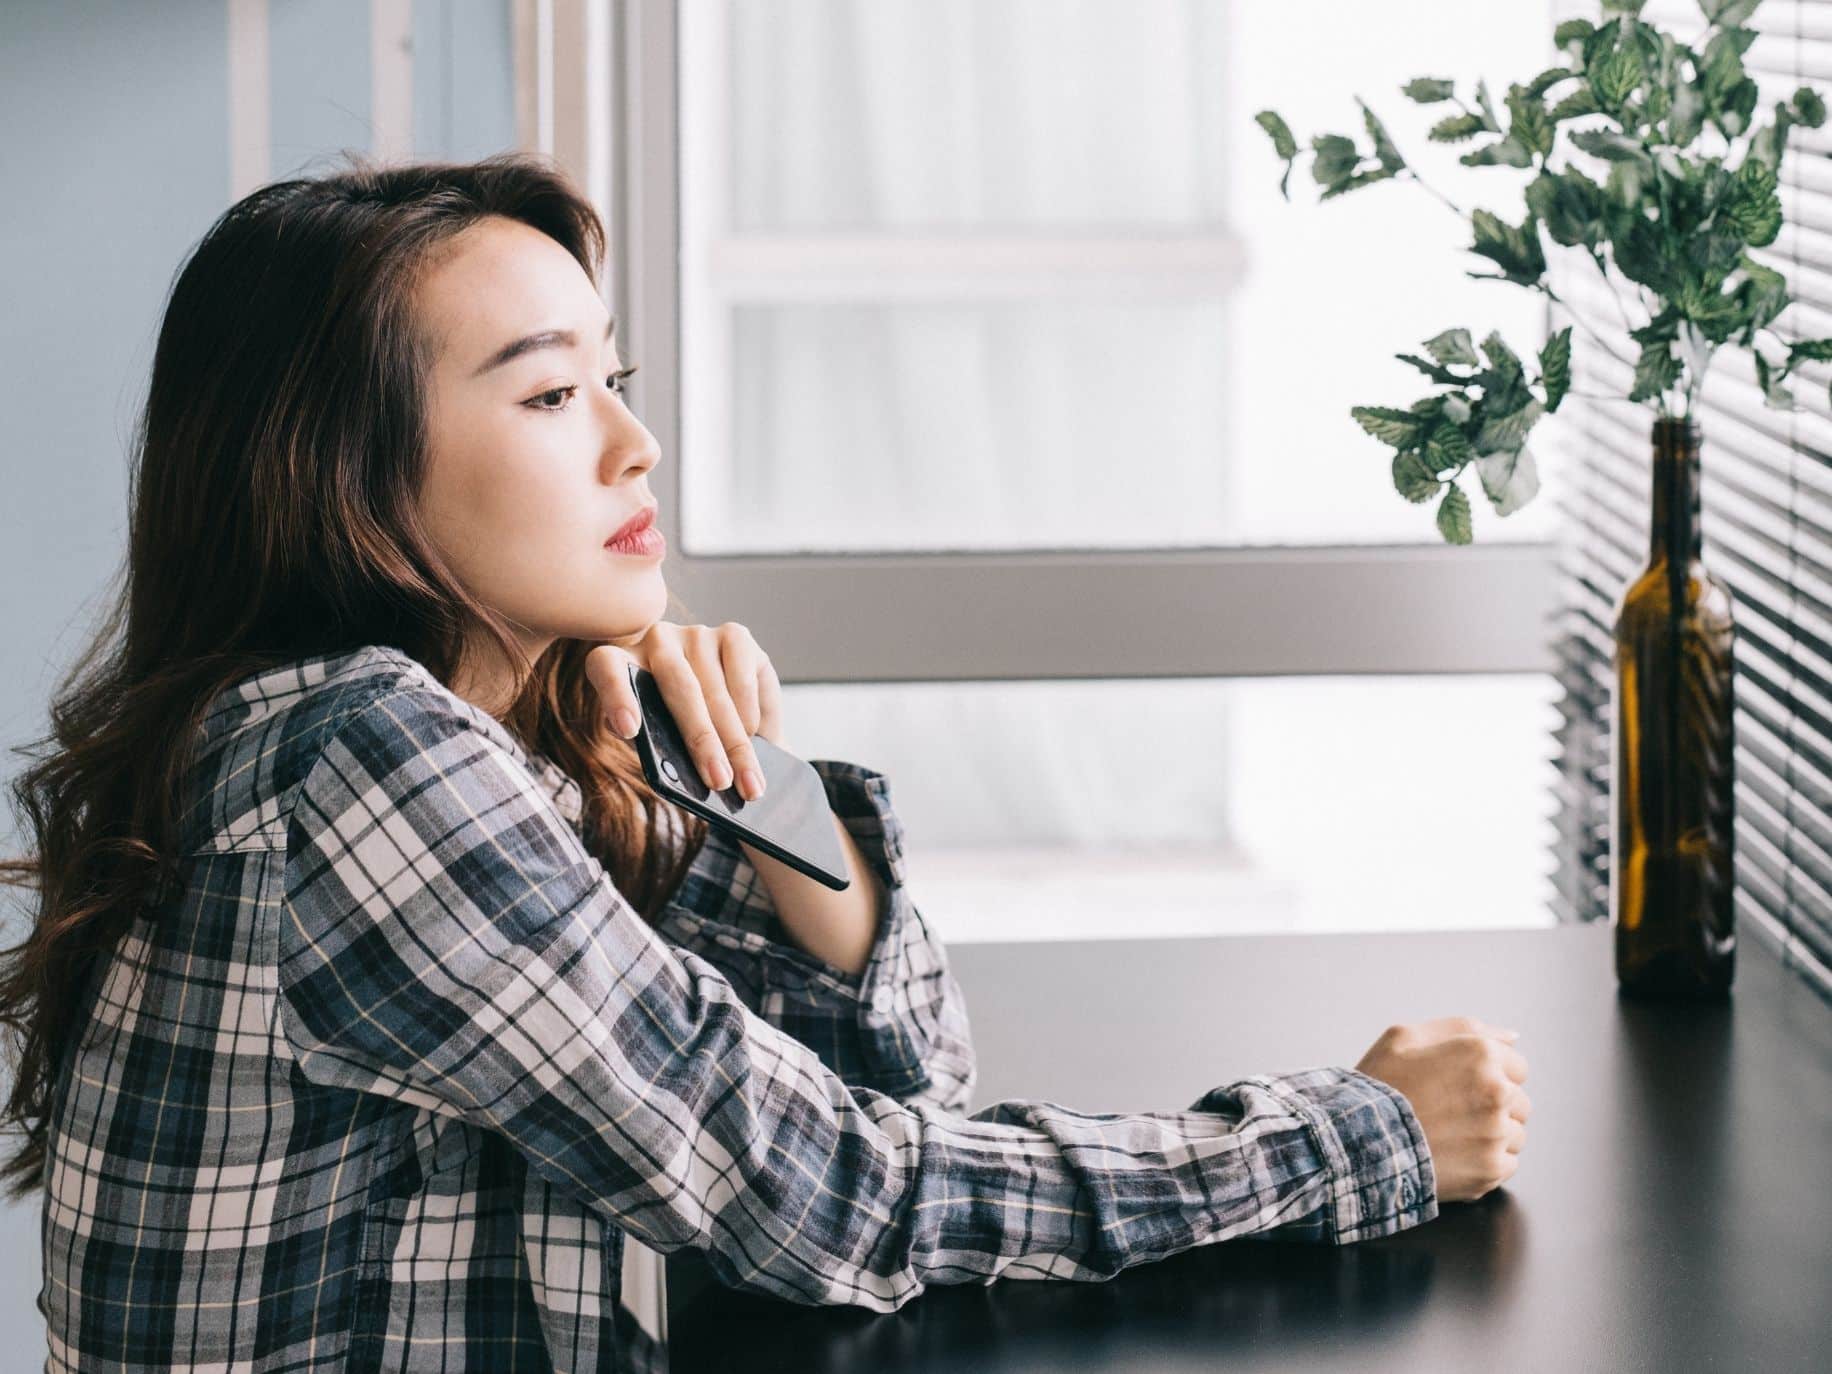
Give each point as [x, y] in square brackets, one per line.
[391, 1081]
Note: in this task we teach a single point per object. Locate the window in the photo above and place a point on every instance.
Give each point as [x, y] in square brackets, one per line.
[992, 376]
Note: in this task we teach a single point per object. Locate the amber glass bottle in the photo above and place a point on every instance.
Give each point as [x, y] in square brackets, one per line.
[1672, 811]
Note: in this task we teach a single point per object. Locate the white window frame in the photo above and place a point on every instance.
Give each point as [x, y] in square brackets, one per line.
[597, 89]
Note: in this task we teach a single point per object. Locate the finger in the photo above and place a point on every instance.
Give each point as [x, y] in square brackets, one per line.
[686, 702]
[607, 669]
[1517, 1136]
[730, 750]
[769, 701]
[1515, 1063]
[1520, 1106]
[738, 653]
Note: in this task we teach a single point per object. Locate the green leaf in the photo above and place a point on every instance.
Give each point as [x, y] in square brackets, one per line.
[1383, 146]
[1572, 31]
[1335, 158]
[1435, 371]
[1664, 327]
[1774, 395]
[1616, 79]
[1733, 113]
[1509, 480]
[1809, 108]
[1762, 294]
[1454, 346]
[1502, 358]
[1363, 178]
[1570, 205]
[1623, 6]
[1767, 142]
[1455, 128]
[1728, 13]
[1528, 124]
[1428, 90]
[1579, 102]
[1648, 254]
[1401, 428]
[1610, 145]
[1713, 314]
[1655, 371]
[1555, 367]
[1506, 152]
[1809, 350]
[1487, 107]
[1547, 79]
[1625, 185]
[1453, 516]
[1598, 43]
[1282, 143]
[1686, 116]
[1447, 448]
[1752, 205]
[1502, 433]
[1412, 479]
[1280, 132]
[1515, 250]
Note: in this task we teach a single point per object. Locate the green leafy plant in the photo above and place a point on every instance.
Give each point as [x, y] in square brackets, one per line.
[1674, 218]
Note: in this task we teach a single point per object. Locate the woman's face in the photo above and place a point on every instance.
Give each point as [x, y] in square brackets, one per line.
[534, 461]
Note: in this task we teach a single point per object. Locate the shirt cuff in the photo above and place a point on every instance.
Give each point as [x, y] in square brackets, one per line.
[1381, 1176]
[904, 960]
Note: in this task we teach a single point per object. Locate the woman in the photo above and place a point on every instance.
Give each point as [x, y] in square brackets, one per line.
[373, 999]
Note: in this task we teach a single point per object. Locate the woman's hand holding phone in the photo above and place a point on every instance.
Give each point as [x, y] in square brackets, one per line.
[719, 685]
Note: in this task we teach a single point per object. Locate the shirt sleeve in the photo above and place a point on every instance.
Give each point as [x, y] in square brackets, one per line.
[901, 1027]
[446, 940]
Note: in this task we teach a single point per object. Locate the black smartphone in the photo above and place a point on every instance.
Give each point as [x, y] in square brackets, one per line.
[792, 820]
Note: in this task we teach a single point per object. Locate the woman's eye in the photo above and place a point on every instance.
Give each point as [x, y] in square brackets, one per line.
[615, 381]
[566, 391]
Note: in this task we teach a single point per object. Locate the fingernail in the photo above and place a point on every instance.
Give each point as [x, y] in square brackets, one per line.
[625, 721]
[753, 784]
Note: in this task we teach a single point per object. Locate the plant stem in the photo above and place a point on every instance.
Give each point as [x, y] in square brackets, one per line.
[1434, 191]
[1602, 270]
[1599, 396]
[1584, 324]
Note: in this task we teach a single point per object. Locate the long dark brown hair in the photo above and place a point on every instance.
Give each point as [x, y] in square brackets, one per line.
[272, 490]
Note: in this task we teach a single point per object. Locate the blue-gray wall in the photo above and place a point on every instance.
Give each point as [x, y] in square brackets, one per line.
[114, 159]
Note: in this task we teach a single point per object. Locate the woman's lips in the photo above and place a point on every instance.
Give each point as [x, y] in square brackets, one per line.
[638, 536]
[647, 543]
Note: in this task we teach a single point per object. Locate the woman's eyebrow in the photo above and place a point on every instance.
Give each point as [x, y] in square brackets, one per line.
[528, 343]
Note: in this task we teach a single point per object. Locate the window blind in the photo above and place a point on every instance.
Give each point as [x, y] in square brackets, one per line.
[1766, 494]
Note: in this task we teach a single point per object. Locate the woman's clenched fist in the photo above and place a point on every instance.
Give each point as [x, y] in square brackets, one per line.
[1463, 1079]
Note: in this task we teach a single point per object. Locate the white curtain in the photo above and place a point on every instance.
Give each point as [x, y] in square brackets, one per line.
[1001, 424]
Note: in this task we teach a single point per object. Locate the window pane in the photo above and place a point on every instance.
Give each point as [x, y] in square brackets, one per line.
[1155, 807]
[915, 114]
[915, 404]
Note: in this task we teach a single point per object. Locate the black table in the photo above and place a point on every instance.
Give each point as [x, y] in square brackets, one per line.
[1672, 1210]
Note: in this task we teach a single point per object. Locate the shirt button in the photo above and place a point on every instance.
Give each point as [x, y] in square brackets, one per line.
[881, 1000]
